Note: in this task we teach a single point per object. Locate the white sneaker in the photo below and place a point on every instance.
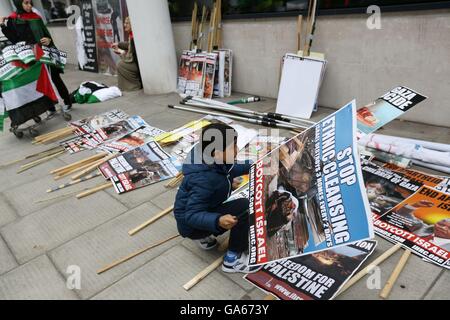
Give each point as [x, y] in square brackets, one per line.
[207, 243]
[240, 264]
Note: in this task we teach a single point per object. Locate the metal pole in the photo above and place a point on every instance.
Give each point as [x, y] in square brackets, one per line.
[240, 118]
[277, 116]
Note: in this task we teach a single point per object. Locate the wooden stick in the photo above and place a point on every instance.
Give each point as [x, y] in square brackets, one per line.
[72, 171]
[114, 264]
[49, 134]
[39, 155]
[52, 139]
[95, 190]
[175, 181]
[94, 166]
[59, 197]
[202, 22]
[270, 297]
[38, 162]
[309, 39]
[41, 159]
[194, 26]
[299, 32]
[205, 272]
[56, 136]
[369, 268]
[152, 220]
[218, 26]
[83, 161]
[212, 30]
[77, 168]
[72, 183]
[393, 278]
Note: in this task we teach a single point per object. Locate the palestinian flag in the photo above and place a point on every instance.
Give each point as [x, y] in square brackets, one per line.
[93, 92]
[28, 86]
[3, 114]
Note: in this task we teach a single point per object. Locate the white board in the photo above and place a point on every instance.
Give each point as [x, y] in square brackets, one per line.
[299, 87]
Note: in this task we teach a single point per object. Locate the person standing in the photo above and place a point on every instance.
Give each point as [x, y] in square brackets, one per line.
[25, 24]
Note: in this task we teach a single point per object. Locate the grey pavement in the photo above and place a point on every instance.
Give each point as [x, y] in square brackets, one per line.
[40, 242]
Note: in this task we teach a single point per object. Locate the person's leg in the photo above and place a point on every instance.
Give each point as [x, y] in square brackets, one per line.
[236, 260]
[61, 86]
[204, 239]
[239, 233]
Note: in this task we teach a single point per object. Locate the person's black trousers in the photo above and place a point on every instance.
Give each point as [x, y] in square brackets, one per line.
[60, 85]
[239, 233]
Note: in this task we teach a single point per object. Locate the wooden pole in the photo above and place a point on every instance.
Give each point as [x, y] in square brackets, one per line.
[175, 181]
[72, 183]
[39, 155]
[59, 197]
[194, 26]
[93, 166]
[211, 31]
[270, 297]
[218, 43]
[152, 220]
[49, 134]
[83, 161]
[311, 26]
[202, 23]
[94, 190]
[394, 276]
[69, 172]
[38, 162]
[54, 136]
[205, 272]
[114, 264]
[299, 32]
[367, 269]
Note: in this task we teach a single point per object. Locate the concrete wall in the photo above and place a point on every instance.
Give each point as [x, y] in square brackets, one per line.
[411, 49]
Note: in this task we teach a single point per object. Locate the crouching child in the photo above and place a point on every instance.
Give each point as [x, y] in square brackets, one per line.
[201, 210]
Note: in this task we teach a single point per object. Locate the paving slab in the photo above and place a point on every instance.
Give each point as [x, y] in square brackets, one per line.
[139, 196]
[211, 255]
[11, 179]
[164, 277]
[7, 261]
[111, 242]
[7, 213]
[440, 290]
[27, 198]
[166, 199]
[36, 280]
[52, 226]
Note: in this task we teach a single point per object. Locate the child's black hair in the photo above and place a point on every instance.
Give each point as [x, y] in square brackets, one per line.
[214, 133]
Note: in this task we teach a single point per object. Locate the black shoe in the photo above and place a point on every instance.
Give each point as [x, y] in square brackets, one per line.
[207, 243]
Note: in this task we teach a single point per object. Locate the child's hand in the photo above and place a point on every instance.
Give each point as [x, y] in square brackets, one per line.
[227, 221]
[46, 41]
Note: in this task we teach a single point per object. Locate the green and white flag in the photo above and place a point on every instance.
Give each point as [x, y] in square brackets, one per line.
[8, 70]
[25, 52]
[3, 114]
[29, 85]
[9, 53]
[93, 92]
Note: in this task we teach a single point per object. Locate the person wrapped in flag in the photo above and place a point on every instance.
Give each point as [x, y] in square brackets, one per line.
[26, 25]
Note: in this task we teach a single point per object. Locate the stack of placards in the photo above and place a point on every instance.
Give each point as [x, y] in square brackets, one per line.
[203, 74]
